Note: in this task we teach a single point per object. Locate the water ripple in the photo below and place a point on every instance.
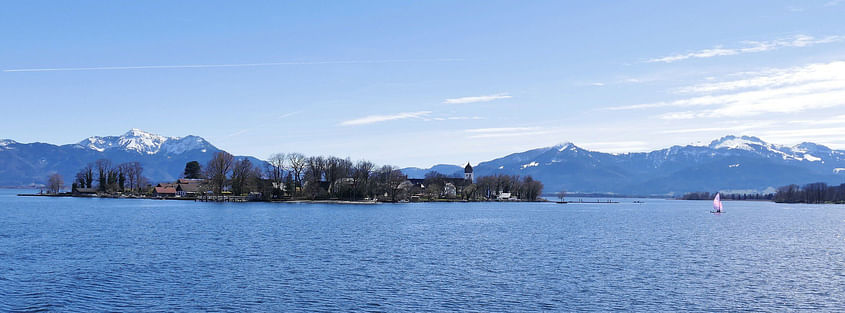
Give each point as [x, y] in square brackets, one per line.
[158, 256]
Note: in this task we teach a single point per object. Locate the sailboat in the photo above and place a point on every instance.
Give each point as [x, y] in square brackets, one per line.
[717, 204]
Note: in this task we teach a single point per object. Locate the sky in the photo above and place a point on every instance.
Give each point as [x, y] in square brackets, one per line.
[418, 83]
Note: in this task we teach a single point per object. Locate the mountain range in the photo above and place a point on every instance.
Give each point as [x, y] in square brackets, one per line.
[163, 158]
[730, 164]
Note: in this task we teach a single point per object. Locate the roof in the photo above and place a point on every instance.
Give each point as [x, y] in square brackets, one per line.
[165, 190]
[85, 190]
[468, 168]
[188, 187]
[189, 181]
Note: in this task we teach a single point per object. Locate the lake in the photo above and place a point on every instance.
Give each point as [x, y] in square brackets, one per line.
[76, 254]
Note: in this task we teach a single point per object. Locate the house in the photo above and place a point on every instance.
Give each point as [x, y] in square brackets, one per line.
[504, 196]
[450, 191]
[166, 185]
[188, 190]
[451, 186]
[162, 192]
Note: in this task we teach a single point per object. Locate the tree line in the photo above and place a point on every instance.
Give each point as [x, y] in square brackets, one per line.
[297, 176]
[294, 175]
[109, 178]
[727, 196]
[810, 193]
[485, 187]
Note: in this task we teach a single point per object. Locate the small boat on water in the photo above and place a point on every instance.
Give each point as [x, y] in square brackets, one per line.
[717, 204]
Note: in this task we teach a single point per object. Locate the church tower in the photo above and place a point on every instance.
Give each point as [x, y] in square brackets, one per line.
[468, 173]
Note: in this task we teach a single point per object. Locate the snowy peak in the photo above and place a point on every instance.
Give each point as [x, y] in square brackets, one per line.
[806, 151]
[145, 143]
[564, 146]
[182, 145]
[809, 147]
[733, 142]
[4, 143]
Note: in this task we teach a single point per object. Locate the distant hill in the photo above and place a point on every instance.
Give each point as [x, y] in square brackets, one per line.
[163, 158]
[729, 163]
[446, 169]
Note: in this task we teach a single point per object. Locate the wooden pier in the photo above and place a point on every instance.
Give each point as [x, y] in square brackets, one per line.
[222, 199]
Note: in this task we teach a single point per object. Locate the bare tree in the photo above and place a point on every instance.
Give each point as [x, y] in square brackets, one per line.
[361, 174]
[218, 169]
[297, 166]
[85, 176]
[241, 173]
[134, 175]
[390, 178]
[276, 168]
[55, 183]
[561, 195]
[103, 168]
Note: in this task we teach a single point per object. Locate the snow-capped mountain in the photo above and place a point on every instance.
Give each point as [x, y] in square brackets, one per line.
[163, 157]
[145, 143]
[728, 163]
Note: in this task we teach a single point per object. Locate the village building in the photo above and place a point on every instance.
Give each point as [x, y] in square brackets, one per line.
[451, 186]
[468, 175]
[164, 191]
[188, 190]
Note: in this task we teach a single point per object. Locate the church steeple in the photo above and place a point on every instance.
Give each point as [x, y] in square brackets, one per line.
[468, 175]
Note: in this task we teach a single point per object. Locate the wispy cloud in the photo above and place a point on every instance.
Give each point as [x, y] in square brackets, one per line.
[833, 3]
[475, 99]
[739, 126]
[749, 47]
[791, 90]
[384, 118]
[499, 132]
[837, 120]
[198, 66]
[289, 114]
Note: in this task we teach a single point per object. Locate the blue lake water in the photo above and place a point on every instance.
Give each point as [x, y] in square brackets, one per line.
[71, 254]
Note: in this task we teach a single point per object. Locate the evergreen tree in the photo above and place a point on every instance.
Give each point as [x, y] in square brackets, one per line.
[193, 170]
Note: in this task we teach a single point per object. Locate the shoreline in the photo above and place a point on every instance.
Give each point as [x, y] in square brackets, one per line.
[298, 201]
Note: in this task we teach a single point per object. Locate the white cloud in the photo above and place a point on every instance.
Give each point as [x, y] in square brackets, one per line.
[735, 126]
[383, 118]
[597, 84]
[839, 120]
[475, 99]
[750, 47]
[791, 90]
[834, 71]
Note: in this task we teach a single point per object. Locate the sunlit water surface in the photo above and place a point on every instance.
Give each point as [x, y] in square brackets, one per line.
[71, 254]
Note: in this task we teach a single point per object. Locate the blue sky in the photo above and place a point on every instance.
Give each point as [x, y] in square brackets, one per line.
[424, 82]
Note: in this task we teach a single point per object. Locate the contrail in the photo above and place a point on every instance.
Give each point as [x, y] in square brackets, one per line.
[144, 67]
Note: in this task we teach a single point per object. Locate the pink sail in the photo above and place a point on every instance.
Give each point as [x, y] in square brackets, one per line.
[717, 203]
